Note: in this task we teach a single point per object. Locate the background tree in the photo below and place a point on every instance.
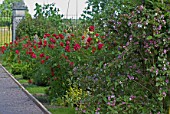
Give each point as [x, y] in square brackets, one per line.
[6, 6]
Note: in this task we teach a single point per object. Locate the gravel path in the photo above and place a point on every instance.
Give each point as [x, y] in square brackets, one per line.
[12, 99]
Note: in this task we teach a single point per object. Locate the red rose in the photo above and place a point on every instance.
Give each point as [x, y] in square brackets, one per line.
[93, 49]
[100, 45]
[46, 35]
[61, 36]
[35, 47]
[97, 35]
[89, 39]
[82, 37]
[41, 55]
[33, 55]
[52, 46]
[61, 44]
[72, 35]
[91, 28]
[68, 42]
[42, 61]
[47, 57]
[45, 42]
[67, 48]
[71, 64]
[17, 51]
[52, 40]
[40, 42]
[77, 47]
[3, 49]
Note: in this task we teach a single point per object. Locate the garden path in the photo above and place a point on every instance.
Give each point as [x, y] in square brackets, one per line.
[13, 100]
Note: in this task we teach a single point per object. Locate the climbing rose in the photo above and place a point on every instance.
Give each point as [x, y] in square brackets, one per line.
[45, 42]
[72, 35]
[82, 37]
[100, 45]
[93, 49]
[52, 40]
[97, 34]
[68, 42]
[77, 47]
[33, 55]
[71, 64]
[46, 35]
[41, 55]
[61, 36]
[67, 48]
[89, 39]
[47, 57]
[61, 44]
[91, 28]
[3, 49]
[42, 61]
[17, 51]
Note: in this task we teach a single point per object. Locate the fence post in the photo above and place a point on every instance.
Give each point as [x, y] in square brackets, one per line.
[18, 13]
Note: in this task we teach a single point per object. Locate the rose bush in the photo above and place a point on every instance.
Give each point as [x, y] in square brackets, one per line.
[125, 71]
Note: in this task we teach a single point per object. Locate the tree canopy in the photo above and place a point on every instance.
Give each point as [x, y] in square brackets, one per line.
[6, 6]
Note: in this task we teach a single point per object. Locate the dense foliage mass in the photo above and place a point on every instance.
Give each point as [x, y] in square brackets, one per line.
[120, 65]
[46, 19]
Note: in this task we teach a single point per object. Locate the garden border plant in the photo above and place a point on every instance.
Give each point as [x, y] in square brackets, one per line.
[124, 71]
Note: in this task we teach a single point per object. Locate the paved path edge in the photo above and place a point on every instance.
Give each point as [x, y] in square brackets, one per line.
[39, 104]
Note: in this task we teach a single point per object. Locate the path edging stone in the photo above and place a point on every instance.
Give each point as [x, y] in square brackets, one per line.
[39, 104]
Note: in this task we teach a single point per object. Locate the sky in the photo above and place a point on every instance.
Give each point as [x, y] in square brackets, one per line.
[61, 4]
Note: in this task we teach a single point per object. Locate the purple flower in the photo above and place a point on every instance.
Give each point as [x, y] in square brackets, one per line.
[138, 71]
[119, 57]
[130, 77]
[108, 103]
[167, 81]
[123, 103]
[130, 66]
[132, 97]
[136, 43]
[141, 7]
[165, 51]
[157, 71]
[77, 108]
[97, 109]
[127, 43]
[160, 27]
[164, 94]
[109, 98]
[129, 23]
[84, 111]
[164, 22]
[134, 66]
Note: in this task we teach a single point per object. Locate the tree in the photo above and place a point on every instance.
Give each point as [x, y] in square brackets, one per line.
[6, 6]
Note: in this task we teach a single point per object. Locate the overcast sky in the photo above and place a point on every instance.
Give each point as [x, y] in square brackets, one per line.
[61, 4]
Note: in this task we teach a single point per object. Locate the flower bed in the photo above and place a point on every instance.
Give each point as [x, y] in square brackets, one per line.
[126, 72]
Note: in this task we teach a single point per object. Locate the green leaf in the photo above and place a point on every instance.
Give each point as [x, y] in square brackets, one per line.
[79, 58]
[149, 37]
[160, 98]
[100, 64]
[104, 98]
